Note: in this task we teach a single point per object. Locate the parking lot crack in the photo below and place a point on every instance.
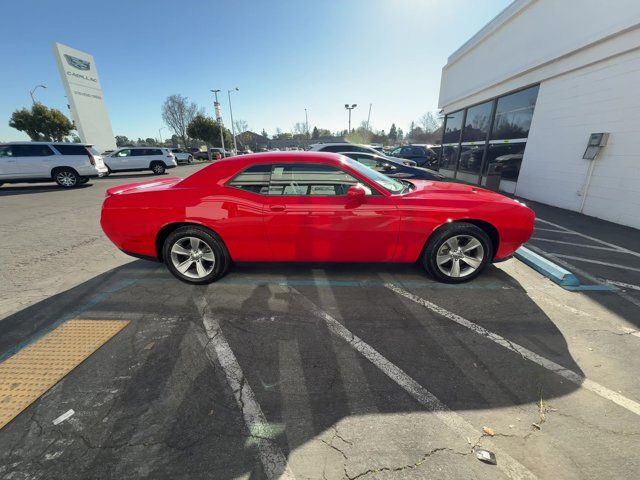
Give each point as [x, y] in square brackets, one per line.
[411, 466]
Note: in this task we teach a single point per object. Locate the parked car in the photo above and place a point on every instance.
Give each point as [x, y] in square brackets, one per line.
[215, 150]
[128, 159]
[393, 168]
[309, 206]
[350, 147]
[67, 164]
[423, 156]
[182, 156]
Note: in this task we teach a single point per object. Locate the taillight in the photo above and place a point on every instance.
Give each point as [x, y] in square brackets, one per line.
[92, 160]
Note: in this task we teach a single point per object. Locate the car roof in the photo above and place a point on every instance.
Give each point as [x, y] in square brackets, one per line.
[120, 148]
[27, 142]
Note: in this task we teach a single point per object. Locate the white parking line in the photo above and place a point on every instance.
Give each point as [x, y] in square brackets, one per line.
[540, 229]
[594, 239]
[509, 466]
[623, 285]
[573, 244]
[550, 365]
[597, 262]
[216, 347]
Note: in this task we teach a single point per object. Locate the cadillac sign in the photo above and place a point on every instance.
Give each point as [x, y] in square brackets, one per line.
[86, 99]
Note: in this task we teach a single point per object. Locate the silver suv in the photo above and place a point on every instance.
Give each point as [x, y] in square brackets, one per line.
[129, 159]
[67, 164]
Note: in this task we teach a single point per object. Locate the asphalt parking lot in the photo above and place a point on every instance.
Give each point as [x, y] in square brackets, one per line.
[320, 371]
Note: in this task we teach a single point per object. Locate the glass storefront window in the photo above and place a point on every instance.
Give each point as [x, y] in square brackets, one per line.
[477, 123]
[505, 159]
[471, 158]
[514, 113]
[448, 159]
[452, 127]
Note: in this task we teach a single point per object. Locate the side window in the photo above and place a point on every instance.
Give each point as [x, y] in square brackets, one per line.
[31, 150]
[123, 153]
[5, 151]
[154, 151]
[395, 152]
[310, 180]
[254, 179]
[366, 160]
[337, 148]
[71, 149]
[139, 152]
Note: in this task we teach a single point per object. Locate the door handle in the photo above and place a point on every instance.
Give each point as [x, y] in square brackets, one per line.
[277, 208]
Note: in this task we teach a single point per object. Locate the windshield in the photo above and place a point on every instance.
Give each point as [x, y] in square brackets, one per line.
[385, 182]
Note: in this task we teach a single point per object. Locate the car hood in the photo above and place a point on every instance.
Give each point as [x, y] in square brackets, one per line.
[432, 189]
[149, 185]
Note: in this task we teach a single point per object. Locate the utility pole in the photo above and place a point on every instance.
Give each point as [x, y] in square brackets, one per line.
[216, 106]
[369, 118]
[306, 121]
[346, 105]
[33, 90]
[233, 127]
[160, 133]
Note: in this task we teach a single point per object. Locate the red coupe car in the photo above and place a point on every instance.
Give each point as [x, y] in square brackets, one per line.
[308, 206]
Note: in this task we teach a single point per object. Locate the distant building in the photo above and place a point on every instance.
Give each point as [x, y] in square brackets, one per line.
[522, 97]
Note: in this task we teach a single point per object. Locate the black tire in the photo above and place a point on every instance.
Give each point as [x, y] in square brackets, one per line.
[478, 256]
[221, 263]
[158, 168]
[190, 159]
[66, 177]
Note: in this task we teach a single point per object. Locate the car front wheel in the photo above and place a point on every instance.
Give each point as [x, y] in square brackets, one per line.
[158, 168]
[195, 255]
[457, 253]
[66, 177]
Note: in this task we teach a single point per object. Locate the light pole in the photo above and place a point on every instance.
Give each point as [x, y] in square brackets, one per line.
[306, 122]
[160, 133]
[233, 127]
[353, 105]
[33, 90]
[216, 106]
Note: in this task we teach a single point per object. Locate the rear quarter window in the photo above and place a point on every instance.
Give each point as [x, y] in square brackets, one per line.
[71, 149]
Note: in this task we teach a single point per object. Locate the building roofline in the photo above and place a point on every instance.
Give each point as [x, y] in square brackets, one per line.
[506, 15]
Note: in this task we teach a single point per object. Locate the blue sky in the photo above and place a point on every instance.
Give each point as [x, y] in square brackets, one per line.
[284, 55]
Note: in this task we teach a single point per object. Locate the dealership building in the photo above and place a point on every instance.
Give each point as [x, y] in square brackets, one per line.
[544, 103]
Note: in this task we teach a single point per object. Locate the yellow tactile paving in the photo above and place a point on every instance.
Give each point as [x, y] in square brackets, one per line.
[28, 374]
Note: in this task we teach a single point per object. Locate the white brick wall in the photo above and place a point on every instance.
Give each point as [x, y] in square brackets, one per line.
[603, 97]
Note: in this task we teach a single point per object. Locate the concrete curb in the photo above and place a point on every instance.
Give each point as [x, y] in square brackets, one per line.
[552, 271]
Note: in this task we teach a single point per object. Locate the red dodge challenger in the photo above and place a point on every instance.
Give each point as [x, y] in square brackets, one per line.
[309, 206]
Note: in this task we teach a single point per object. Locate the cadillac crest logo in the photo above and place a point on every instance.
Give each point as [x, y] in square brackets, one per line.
[77, 62]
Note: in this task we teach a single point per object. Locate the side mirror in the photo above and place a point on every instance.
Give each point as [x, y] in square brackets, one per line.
[356, 194]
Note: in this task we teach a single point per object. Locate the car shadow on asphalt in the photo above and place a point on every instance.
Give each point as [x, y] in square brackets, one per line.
[10, 189]
[151, 404]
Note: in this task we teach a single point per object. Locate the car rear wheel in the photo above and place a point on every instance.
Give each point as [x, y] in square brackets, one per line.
[457, 253]
[190, 159]
[66, 177]
[195, 255]
[158, 168]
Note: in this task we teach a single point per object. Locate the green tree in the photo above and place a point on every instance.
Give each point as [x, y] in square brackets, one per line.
[207, 130]
[315, 133]
[264, 133]
[393, 133]
[150, 141]
[122, 140]
[41, 123]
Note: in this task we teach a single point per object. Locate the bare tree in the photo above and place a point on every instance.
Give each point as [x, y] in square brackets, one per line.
[241, 126]
[429, 122]
[178, 113]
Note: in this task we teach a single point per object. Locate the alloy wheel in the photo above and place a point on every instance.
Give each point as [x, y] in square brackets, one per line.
[193, 257]
[66, 178]
[459, 256]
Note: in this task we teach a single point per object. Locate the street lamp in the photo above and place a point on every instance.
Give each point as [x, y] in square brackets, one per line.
[233, 128]
[160, 133]
[33, 90]
[346, 105]
[216, 106]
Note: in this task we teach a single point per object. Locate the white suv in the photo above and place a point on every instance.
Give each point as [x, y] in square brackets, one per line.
[68, 164]
[130, 159]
